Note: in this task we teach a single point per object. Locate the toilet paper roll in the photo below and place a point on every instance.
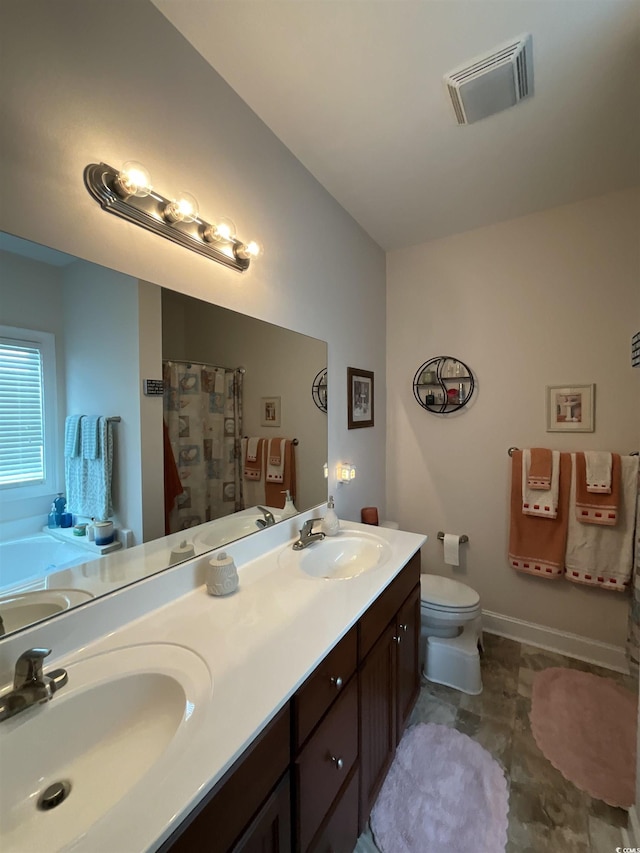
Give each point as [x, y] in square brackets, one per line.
[451, 549]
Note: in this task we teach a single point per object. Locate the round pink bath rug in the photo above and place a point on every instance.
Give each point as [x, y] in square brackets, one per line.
[444, 792]
[585, 725]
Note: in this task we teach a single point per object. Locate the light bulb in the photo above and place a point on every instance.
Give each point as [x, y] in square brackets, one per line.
[223, 231]
[183, 209]
[133, 179]
[248, 251]
[325, 469]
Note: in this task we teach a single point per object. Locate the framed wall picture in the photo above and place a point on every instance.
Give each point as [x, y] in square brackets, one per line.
[270, 411]
[570, 408]
[360, 398]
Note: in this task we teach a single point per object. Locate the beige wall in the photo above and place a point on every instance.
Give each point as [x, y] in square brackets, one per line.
[114, 81]
[551, 298]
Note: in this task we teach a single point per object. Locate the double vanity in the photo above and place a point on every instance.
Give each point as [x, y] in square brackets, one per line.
[263, 720]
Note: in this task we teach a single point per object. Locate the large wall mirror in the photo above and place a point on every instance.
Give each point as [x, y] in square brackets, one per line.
[107, 333]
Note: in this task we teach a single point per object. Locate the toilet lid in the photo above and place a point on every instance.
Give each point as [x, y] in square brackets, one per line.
[445, 592]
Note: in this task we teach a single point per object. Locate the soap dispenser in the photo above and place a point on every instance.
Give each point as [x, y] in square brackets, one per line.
[330, 523]
[289, 506]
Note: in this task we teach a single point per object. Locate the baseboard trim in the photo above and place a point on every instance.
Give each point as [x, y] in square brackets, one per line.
[572, 645]
[631, 835]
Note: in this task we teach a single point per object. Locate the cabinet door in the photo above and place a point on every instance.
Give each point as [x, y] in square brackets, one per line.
[270, 831]
[377, 719]
[408, 675]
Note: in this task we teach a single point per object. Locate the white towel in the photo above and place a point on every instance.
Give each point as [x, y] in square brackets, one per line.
[275, 470]
[598, 465]
[72, 436]
[598, 555]
[253, 491]
[252, 448]
[543, 503]
[88, 481]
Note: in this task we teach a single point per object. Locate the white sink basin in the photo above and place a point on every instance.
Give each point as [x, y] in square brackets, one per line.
[121, 715]
[24, 608]
[340, 557]
[221, 531]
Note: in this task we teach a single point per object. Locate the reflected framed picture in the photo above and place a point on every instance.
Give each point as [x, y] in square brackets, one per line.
[360, 398]
[570, 408]
[270, 411]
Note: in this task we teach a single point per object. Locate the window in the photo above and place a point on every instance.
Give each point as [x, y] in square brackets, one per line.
[27, 412]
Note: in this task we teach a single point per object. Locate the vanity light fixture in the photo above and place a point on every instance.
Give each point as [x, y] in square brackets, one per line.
[128, 193]
[345, 472]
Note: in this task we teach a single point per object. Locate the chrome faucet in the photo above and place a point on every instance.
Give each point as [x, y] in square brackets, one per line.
[30, 685]
[268, 519]
[307, 536]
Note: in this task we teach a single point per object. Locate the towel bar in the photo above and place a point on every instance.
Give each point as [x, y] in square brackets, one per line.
[294, 441]
[464, 538]
[512, 450]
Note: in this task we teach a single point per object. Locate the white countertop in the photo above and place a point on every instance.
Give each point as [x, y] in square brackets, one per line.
[259, 645]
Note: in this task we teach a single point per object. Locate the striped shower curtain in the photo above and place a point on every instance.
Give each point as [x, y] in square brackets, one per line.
[203, 414]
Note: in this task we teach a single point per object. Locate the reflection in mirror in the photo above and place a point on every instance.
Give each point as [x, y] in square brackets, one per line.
[95, 336]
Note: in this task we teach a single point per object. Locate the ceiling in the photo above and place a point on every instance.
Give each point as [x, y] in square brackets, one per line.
[354, 89]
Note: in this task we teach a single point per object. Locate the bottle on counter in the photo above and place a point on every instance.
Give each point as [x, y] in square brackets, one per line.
[289, 506]
[330, 524]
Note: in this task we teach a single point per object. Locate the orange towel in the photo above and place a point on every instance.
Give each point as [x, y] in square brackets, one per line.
[172, 485]
[537, 544]
[274, 492]
[540, 469]
[253, 467]
[594, 508]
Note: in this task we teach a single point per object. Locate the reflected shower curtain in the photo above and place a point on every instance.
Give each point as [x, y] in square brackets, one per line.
[203, 414]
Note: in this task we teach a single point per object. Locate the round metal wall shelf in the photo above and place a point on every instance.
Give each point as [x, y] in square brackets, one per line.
[443, 384]
[319, 390]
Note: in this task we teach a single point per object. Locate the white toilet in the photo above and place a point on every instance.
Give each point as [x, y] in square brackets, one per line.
[451, 630]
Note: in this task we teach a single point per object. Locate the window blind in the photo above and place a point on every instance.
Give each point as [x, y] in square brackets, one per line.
[21, 414]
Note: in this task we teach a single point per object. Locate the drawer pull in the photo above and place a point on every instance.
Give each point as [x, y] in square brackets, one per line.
[338, 762]
[336, 681]
[397, 640]
[404, 628]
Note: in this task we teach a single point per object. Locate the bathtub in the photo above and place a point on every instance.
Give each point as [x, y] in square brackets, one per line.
[25, 562]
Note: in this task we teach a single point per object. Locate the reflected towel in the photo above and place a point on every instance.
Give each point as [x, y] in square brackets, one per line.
[252, 468]
[603, 556]
[541, 503]
[275, 459]
[537, 544]
[598, 471]
[88, 481]
[274, 490]
[252, 448]
[172, 485]
[72, 436]
[90, 437]
[540, 469]
[593, 508]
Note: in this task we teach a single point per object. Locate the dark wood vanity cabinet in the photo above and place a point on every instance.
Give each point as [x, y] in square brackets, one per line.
[309, 781]
[389, 679]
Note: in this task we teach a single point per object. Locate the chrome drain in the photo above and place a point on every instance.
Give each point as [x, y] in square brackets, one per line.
[54, 795]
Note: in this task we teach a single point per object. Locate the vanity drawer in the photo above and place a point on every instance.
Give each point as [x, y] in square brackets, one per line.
[340, 833]
[325, 762]
[324, 686]
[384, 609]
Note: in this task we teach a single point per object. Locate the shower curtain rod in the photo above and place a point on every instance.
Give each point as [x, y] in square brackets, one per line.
[204, 364]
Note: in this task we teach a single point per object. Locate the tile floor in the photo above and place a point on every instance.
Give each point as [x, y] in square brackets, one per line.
[547, 814]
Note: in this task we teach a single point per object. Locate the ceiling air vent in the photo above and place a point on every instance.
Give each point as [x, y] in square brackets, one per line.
[493, 82]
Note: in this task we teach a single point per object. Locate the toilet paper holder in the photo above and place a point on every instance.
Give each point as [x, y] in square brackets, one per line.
[464, 538]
